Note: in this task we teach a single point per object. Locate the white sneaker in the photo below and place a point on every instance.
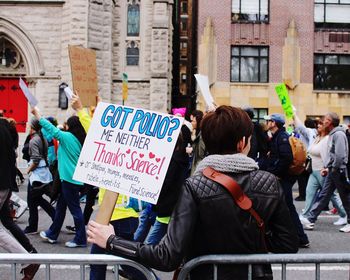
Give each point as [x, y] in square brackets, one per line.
[306, 223]
[341, 221]
[345, 228]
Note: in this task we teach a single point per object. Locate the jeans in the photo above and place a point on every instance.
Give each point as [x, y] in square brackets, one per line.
[69, 197]
[124, 228]
[146, 220]
[156, 233]
[9, 224]
[33, 203]
[287, 185]
[315, 183]
[333, 181]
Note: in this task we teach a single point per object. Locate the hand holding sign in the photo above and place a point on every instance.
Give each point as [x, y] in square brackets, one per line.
[30, 97]
[76, 102]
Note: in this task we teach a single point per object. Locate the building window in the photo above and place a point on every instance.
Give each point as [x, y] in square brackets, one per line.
[132, 54]
[183, 24]
[133, 21]
[184, 7]
[332, 13]
[250, 10]
[331, 72]
[249, 64]
[259, 114]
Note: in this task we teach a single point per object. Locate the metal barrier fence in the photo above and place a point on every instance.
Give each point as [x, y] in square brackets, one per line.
[283, 259]
[72, 259]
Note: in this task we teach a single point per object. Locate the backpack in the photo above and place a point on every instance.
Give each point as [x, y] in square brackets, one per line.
[299, 156]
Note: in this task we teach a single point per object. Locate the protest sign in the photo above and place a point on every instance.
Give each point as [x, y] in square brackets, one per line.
[84, 74]
[203, 84]
[287, 106]
[30, 97]
[128, 150]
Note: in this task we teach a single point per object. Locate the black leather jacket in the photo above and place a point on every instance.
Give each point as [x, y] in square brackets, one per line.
[206, 220]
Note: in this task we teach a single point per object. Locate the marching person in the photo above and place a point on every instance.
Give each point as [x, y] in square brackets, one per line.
[71, 142]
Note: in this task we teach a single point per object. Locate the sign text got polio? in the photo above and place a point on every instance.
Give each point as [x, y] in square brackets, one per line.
[128, 150]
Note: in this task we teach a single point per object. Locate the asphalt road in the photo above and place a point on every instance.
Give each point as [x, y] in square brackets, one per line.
[325, 238]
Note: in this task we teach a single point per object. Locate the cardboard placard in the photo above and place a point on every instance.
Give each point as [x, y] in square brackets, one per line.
[287, 106]
[128, 150]
[84, 74]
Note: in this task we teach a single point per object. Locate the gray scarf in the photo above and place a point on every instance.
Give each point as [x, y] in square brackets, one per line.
[235, 163]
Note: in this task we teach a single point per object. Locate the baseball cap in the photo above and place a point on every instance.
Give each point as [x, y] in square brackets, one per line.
[279, 118]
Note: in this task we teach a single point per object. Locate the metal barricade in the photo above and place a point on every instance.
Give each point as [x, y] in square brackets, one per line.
[283, 259]
[72, 259]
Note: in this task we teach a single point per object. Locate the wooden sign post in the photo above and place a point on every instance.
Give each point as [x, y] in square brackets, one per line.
[84, 74]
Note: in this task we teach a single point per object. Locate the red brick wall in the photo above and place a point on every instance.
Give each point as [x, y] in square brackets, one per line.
[220, 12]
[281, 13]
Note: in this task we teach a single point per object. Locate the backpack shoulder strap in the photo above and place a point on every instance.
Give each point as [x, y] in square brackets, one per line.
[242, 200]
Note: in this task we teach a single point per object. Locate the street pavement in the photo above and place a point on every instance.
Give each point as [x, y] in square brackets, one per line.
[325, 238]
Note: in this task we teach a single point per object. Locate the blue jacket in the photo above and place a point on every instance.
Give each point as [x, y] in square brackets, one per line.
[280, 157]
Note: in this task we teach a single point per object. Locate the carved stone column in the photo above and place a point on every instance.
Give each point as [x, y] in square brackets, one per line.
[161, 55]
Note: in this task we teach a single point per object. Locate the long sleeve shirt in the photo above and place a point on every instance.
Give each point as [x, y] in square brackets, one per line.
[68, 151]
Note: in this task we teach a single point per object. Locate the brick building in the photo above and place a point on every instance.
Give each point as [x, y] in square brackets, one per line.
[131, 36]
[247, 47]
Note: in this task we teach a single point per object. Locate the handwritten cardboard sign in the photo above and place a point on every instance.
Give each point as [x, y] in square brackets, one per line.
[30, 97]
[84, 74]
[128, 150]
[287, 106]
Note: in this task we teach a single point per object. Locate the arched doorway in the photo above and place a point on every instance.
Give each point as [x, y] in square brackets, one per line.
[19, 57]
[13, 103]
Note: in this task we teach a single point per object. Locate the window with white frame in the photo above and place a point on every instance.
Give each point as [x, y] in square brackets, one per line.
[250, 10]
[329, 13]
[249, 64]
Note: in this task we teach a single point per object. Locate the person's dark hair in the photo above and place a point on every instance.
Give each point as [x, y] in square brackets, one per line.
[279, 125]
[310, 123]
[75, 127]
[249, 111]
[198, 114]
[224, 128]
[35, 125]
[335, 118]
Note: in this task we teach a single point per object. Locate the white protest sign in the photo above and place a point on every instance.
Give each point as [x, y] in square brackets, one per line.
[68, 92]
[203, 84]
[128, 150]
[30, 97]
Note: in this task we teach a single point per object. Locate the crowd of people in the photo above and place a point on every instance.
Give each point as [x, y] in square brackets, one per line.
[195, 215]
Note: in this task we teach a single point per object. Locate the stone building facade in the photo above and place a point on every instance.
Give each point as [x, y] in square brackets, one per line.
[289, 37]
[129, 36]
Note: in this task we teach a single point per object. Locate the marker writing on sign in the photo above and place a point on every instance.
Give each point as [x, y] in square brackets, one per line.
[150, 124]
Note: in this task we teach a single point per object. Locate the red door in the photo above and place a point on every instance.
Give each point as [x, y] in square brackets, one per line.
[13, 102]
